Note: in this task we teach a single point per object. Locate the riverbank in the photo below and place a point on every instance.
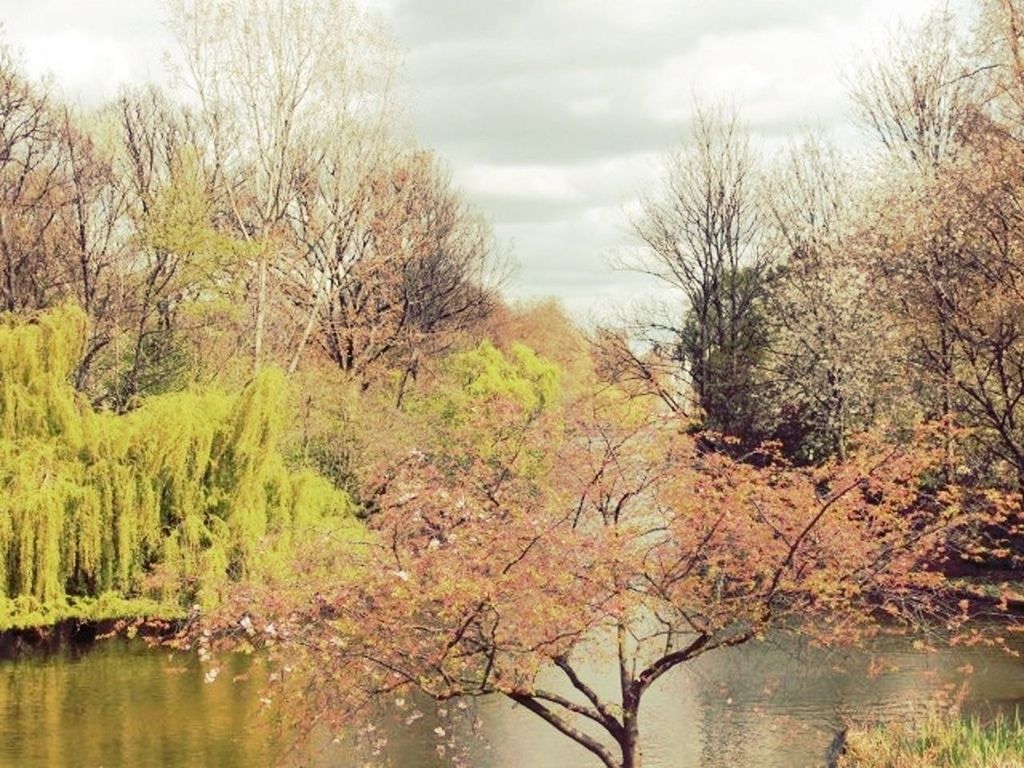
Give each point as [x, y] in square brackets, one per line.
[28, 625]
[935, 743]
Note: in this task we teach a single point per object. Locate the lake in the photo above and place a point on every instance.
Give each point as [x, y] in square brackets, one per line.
[770, 704]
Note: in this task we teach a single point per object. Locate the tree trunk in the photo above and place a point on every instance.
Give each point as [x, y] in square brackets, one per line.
[261, 312]
[629, 739]
[948, 385]
[307, 331]
[630, 742]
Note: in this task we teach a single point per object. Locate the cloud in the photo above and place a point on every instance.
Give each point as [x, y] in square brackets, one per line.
[552, 114]
[91, 49]
[558, 112]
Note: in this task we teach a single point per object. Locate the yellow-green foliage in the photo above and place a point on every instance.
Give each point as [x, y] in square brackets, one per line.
[484, 373]
[37, 357]
[190, 487]
[178, 220]
[483, 402]
[23, 612]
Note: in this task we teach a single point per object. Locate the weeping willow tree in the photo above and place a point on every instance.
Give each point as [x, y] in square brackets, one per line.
[167, 502]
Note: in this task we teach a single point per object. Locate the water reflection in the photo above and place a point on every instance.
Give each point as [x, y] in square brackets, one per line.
[771, 704]
[125, 705]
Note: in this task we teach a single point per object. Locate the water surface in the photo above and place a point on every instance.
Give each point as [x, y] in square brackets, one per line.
[773, 705]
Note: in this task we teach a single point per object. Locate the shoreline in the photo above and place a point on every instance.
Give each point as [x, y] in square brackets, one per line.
[81, 632]
[75, 634]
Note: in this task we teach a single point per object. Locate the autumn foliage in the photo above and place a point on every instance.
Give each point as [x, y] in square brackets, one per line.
[598, 519]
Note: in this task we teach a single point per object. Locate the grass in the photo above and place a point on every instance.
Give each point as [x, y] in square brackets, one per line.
[935, 743]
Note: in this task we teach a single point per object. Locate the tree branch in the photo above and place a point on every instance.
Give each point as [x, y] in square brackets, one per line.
[559, 724]
[563, 664]
[610, 724]
[665, 663]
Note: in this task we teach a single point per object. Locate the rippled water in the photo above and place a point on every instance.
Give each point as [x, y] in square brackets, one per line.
[768, 705]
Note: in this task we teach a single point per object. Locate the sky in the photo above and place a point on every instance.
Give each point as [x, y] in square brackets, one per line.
[553, 116]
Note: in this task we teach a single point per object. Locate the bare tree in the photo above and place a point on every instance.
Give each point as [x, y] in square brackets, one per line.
[274, 79]
[918, 96]
[999, 50]
[328, 218]
[925, 99]
[95, 239]
[703, 239]
[32, 190]
[961, 270]
[180, 262]
[419, 268]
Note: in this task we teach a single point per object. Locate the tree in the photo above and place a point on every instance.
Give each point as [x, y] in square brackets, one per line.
[549, 330]
[834, 351]
[182, 265]
[920, 95]
[925, 101]
[32, 190]
[328, 220]
[279, 84]
[613, 529]
[414, 267]
[93, 235]
[703, 238]
[620, 360]
[943, 231]
[169, 501]
[954, 262]
[999, 48]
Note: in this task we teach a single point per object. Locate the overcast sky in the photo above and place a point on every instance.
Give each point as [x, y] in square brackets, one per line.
[552, 114]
